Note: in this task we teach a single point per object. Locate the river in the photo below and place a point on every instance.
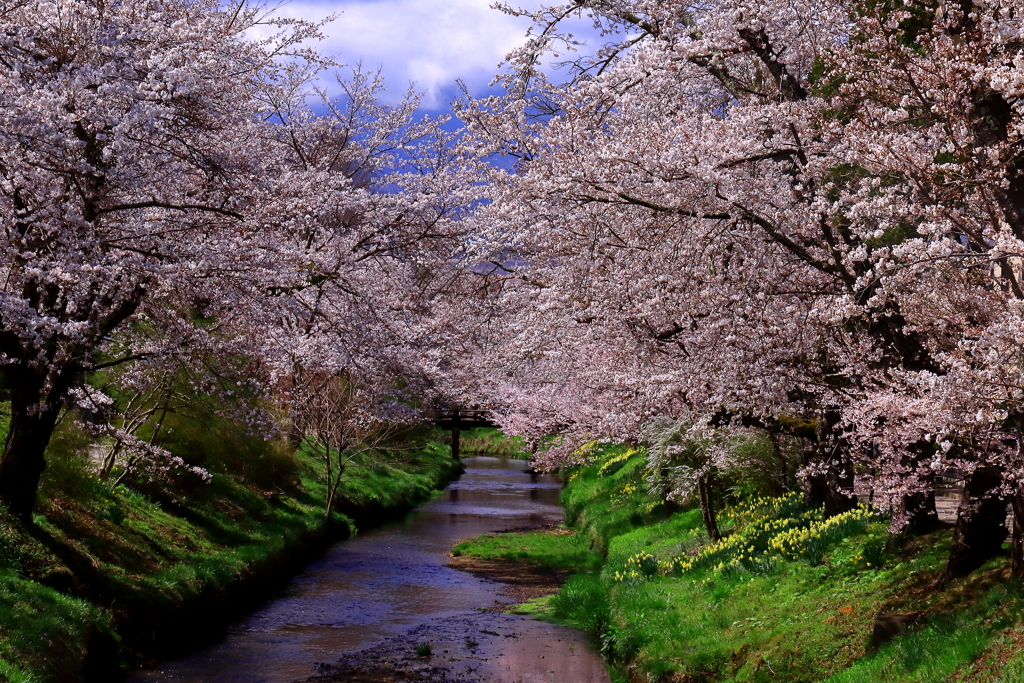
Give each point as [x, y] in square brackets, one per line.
[389, 588]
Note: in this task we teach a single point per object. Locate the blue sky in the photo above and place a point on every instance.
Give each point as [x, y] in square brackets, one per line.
[429, 42]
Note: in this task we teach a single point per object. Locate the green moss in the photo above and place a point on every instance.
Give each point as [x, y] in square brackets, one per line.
[535, 607]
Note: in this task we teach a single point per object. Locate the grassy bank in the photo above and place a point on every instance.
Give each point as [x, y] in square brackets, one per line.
[490, 441]
[786, 596]
[108, 572]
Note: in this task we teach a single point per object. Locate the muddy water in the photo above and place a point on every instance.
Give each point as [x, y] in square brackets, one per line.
[391, 585]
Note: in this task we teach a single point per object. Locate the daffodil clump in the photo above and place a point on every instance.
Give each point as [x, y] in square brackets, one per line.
[613, 465]
[584, 456]
[768, 530]
[748, 546]
[639, 567]
[810, 542]
[625, 493]
[761, 508]
[588, 453]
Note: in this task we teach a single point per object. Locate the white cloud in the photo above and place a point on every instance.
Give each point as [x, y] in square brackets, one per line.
[430, 42]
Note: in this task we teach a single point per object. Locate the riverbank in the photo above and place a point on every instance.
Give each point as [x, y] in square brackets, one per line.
[784, 597]
[490, 441]
[108, 574]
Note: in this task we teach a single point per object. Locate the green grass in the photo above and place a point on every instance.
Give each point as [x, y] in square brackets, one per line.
[609, 497]
[490, 441]
[557, 549]
[535, 607]
[46, 634]
[153, 550]
[786, 597]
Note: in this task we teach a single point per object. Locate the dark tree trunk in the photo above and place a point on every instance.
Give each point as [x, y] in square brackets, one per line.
[779, 482]
[294, 435]
[922, 517]
[671, 507]
[829, 458]
[39, 380]
[22, 462]
[455, 435]
[1017, 544]
[980, 526]
[840, 479]
[815, 486]
[919, 508]
[705, 495]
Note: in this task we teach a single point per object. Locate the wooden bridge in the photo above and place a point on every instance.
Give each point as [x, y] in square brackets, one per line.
[457, 419]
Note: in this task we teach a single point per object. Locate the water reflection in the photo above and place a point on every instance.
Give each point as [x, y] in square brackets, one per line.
[381, 583]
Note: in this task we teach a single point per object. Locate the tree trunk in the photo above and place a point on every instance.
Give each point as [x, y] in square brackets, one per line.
[455, 435]
[815, 486]
[671, 507]
[919, 508]
[707, 508]
[980, 526]
[922, 517]
[778, 482]
[829, 459]
[332, 489]
[1017, 544]
[22, 462]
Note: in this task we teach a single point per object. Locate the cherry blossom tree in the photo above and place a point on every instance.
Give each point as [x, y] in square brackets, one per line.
[164, 171]
[130, 162]
[340, 422]
[688, 455]
[800, 215]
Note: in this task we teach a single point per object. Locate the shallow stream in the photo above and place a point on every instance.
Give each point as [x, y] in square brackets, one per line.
[388, 589]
